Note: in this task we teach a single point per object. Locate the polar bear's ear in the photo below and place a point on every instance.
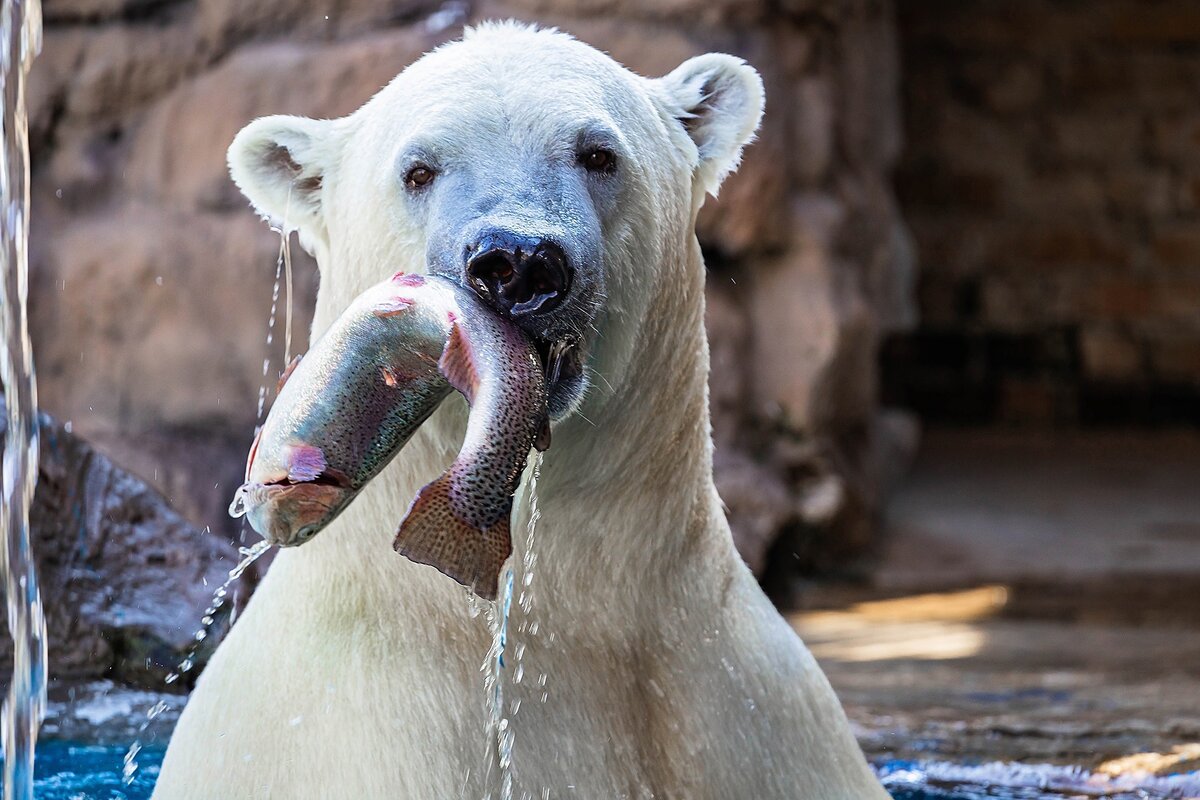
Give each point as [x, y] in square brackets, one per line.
[280, 163]
[718, 99]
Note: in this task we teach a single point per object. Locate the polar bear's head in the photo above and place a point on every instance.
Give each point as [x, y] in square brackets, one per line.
[527, 165]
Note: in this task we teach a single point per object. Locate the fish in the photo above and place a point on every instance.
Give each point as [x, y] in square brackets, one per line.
[348, 406]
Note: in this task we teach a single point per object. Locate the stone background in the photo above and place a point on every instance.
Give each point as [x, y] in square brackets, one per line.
[1053, 186]
[124, 579]
[153, 279]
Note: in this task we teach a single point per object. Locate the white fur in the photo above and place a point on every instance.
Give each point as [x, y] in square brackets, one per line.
[719, 98]
[356, 674]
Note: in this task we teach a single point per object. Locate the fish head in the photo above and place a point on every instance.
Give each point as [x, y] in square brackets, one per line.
[290, 493]
[289, 514]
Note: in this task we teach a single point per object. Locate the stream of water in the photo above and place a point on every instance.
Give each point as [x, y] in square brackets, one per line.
[283, 271]
[25, 706]
[501, 660]
[130, 763]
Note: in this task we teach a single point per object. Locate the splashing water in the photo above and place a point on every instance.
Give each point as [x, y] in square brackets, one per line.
[283, 272]
[500, 724]
[529, 626]
[129, 766]
[936, 780]
[25, 707]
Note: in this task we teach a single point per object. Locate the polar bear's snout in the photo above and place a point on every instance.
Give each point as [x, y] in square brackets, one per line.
[518, 274]
[521, 225]
[529, 279]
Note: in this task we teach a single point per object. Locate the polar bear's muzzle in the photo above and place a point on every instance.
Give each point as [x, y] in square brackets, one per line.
[521, 276]
[526, 236]
[529, 279]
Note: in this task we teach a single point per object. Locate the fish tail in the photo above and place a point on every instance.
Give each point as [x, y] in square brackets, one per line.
[431, 533]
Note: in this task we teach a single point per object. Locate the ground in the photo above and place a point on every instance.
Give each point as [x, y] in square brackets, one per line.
[1037, 600]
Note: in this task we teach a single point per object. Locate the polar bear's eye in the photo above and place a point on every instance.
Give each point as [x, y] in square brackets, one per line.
[419, 177]
[599, 160]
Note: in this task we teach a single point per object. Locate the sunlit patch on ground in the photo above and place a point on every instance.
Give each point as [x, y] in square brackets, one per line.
[923, 627]
[1182, 758]
[963, 694]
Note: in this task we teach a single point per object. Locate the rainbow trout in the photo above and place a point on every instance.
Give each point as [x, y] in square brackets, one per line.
[352, 402]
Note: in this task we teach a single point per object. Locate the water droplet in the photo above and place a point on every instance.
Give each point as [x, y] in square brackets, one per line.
[237, 507]
[189, 660]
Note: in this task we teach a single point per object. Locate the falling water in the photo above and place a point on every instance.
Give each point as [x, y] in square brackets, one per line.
[283, 272]
[24, 709]
[500, 724]
[501, 732]
[129, 767]
[283, 267]
[529, 626]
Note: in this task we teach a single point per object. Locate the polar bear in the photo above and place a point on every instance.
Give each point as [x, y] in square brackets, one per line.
[565, 188]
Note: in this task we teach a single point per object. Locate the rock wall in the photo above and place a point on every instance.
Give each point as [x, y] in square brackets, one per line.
[1053, 185]
[123, 578]
[153, 280]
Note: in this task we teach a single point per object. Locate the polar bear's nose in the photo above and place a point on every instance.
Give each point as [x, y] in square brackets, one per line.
[519, 275]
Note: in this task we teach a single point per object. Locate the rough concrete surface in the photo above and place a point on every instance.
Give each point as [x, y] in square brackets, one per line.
[952, 678]
[1037, 599]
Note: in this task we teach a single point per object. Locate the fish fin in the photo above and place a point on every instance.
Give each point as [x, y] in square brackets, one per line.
[392, 306]
[305, 462]
[457, 364]
[432, 534]
[542, 442]
[287, 371]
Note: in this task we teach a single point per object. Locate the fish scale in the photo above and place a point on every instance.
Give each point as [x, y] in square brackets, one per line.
[364, 388]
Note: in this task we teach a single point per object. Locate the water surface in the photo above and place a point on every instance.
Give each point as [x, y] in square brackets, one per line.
[79, 771]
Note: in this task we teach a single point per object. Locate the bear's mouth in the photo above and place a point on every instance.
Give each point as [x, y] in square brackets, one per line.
[563, 362]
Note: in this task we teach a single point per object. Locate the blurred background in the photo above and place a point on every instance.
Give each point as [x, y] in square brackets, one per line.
[953, 302]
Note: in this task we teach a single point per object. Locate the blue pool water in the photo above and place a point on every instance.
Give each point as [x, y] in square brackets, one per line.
[74, 771]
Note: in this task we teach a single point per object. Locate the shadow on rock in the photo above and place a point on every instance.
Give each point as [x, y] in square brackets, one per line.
[124, 579]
